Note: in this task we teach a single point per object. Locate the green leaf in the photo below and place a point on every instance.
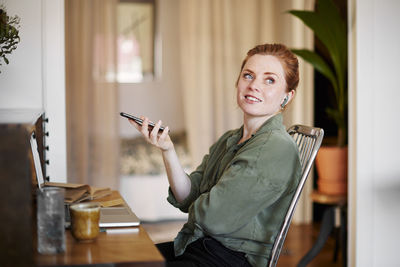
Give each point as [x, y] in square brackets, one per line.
[318, 63]
[329, 27]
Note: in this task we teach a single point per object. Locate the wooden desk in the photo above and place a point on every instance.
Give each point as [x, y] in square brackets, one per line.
[18, 231]
[128, 246]
[133, 248]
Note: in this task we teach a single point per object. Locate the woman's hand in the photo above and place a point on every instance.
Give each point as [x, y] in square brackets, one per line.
[162, 141]
[177, 178]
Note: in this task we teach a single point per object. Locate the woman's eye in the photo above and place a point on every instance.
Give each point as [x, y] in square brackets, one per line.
[248, 76]
[269, 81]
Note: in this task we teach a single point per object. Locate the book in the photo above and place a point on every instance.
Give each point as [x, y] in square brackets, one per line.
[111, 200]
[80, 192]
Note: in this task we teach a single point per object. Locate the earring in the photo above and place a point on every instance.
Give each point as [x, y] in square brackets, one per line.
[285, 100]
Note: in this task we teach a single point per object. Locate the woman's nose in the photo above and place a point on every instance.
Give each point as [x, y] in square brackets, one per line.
[255, 85]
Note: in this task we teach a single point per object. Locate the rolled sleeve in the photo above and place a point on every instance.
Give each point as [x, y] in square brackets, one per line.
[195, 180]
[185, 204]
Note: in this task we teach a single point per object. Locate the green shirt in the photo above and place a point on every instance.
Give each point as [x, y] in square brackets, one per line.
[240, 193]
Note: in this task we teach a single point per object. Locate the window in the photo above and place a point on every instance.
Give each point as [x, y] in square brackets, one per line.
[135, 44]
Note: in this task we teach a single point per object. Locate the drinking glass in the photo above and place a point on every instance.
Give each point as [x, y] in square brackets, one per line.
[50, 220]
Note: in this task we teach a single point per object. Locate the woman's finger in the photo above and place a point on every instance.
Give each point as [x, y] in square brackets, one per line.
[154, 132]
[164, 133]
[145, 126]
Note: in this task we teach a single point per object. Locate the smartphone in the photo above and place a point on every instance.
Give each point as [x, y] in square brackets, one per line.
[140, 121]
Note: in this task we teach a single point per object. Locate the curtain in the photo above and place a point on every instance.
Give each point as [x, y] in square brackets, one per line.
[91, 92]
[215, 36]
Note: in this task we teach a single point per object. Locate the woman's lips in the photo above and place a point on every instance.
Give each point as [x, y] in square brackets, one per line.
[252, 98]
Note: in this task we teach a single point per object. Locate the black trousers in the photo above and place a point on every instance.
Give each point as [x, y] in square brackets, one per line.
[204, 252]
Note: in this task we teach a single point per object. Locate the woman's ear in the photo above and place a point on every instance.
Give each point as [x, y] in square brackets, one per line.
[289, 96]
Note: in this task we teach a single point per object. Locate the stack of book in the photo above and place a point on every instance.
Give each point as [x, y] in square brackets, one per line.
[75, 193]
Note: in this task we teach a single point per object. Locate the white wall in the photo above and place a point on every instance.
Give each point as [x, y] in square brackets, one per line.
[35, 77]
[161, 98]
[21, 81]
[374, 208]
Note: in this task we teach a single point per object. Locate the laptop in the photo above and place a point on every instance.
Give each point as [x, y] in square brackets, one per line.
[120, 216]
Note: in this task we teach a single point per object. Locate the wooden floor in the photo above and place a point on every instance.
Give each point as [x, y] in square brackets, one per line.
[299, 240]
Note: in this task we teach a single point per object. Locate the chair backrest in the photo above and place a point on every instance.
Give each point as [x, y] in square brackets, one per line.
[308, 140]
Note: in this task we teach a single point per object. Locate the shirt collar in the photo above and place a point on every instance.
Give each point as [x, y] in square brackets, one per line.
[273, 123]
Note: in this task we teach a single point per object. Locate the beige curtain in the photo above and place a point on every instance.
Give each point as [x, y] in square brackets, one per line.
[91, 92]
[215, 36]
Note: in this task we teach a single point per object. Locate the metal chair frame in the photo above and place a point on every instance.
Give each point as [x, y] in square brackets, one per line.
[308, 140]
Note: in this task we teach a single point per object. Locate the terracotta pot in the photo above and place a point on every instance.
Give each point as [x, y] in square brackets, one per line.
[331, 165]
[332, 188]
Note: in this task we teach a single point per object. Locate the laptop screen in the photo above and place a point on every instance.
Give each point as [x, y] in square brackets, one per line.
[109, 217]
[36, 160]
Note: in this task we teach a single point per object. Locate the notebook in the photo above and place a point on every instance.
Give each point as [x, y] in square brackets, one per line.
[120, 216]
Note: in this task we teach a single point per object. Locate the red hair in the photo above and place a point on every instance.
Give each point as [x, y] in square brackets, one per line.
[286, 57]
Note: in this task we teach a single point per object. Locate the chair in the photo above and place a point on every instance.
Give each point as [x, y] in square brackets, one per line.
[308, 140]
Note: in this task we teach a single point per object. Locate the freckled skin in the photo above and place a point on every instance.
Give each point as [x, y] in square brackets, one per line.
[261, 87]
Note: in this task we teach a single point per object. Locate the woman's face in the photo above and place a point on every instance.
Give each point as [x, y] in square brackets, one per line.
[261, 87]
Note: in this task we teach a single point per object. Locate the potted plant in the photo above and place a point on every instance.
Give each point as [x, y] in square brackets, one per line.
[331, 30]
[9, 34]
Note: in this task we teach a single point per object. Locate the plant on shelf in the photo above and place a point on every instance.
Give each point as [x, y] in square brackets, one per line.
[331, 30]
[9, 34]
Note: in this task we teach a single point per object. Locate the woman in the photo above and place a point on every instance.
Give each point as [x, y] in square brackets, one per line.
[237, 198]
